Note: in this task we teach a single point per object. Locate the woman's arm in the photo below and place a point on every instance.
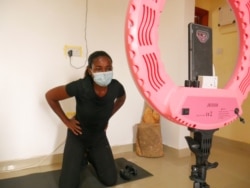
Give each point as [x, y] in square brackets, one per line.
[118, 103]
[53, 97]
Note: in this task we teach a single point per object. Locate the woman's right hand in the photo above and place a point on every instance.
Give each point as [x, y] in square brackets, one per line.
[74, 126]
[53, 97]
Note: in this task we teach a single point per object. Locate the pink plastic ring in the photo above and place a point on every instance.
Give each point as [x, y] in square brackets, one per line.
[198, 108]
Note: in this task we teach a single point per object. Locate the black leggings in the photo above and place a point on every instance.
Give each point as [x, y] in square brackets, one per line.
[81, 149]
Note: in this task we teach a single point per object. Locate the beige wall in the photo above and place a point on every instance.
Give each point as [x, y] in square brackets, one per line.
[225, 50]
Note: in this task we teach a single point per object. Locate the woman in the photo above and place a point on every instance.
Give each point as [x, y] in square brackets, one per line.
[98, 97]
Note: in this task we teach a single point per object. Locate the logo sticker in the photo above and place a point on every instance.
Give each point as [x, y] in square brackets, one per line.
[203, 36]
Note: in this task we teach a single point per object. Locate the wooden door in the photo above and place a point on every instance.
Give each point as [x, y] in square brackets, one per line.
[201, 16]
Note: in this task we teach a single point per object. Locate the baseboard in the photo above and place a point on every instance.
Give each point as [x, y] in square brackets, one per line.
[225, 142]
[177, 152]
[123, 148]
[16, 165]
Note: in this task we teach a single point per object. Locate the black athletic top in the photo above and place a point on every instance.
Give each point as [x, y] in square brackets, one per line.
[93, 112]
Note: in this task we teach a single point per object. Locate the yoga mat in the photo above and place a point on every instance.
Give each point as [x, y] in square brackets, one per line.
[88, 178]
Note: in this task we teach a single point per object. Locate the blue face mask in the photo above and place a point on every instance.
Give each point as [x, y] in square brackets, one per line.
[103, 78]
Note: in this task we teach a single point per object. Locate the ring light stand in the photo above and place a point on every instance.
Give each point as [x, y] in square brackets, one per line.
[217, 107]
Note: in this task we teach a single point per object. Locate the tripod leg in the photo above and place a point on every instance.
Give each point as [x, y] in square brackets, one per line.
[200, 185]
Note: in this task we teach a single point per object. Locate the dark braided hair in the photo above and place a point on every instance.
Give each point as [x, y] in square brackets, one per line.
[92, 57]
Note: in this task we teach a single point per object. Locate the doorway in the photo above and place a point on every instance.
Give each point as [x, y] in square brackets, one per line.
[201, 16]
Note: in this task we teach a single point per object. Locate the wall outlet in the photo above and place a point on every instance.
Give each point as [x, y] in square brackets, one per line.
[77, 50]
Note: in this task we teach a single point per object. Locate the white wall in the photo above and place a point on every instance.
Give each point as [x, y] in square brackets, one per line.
[33, 34]
[174, 44]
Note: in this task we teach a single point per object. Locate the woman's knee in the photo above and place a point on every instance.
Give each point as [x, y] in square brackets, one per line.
[109, 180]
[69, 181]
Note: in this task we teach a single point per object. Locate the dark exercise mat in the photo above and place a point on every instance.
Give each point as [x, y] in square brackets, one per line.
[88, 178]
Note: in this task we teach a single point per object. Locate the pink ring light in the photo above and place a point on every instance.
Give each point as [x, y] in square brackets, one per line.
[197, 108]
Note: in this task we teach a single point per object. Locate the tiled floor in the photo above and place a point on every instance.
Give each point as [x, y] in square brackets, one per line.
[172, 171]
